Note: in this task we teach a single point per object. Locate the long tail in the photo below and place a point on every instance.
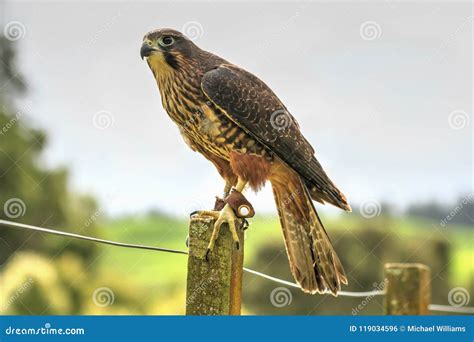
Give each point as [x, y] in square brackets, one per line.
[313, 260]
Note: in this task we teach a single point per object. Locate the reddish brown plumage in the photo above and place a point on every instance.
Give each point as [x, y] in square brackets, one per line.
[224, 169]
[253, 168]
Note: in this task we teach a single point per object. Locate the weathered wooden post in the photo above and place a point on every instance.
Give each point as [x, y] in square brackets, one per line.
[408, 289]
[214, 286]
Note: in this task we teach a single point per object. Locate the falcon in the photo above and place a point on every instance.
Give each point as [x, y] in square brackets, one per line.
[237, 122]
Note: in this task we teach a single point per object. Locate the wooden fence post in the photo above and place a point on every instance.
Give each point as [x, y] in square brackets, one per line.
[214, 286]
[408, 289]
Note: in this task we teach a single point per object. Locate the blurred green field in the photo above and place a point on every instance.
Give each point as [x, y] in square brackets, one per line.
[137, 281]
[164, 274]
[162, 268]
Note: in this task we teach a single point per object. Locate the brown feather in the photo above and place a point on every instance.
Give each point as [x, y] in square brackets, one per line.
[250, 167]
[313, 260]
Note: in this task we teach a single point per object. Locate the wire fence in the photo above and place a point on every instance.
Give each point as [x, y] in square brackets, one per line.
[373, 293]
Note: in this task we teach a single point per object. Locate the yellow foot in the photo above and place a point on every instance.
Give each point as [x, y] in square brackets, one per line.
[206, 213]
[226, 215]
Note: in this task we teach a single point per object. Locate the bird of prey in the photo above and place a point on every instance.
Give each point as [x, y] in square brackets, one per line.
[236, 121]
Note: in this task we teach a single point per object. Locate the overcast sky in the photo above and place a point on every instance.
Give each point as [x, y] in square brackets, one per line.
[382, 91]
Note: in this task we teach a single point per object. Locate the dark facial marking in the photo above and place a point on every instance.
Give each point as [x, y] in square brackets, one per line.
[171, 60]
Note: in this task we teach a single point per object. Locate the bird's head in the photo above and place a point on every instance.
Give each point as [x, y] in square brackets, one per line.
[167, 48]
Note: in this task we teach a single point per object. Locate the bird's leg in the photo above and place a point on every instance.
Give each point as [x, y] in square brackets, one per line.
[220, 202]
[218, 205]
[227, 188]
[225, 215]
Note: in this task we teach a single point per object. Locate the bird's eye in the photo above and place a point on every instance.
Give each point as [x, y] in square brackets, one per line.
[166, 41]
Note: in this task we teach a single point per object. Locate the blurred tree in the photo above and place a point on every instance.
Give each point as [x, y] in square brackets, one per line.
[44, 274]
[12, 81]
[30, 280]
[431, 210]
[29, 192]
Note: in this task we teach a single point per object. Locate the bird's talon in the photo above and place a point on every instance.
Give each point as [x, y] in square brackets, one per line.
[225, 215]
[206, 213]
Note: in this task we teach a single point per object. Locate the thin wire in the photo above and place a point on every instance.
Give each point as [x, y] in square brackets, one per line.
[339, 293]
[10, 224]
[449, 308]
[88, 238]
[431, 307]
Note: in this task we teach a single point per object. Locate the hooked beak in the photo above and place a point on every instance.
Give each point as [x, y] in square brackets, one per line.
[147, 50]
